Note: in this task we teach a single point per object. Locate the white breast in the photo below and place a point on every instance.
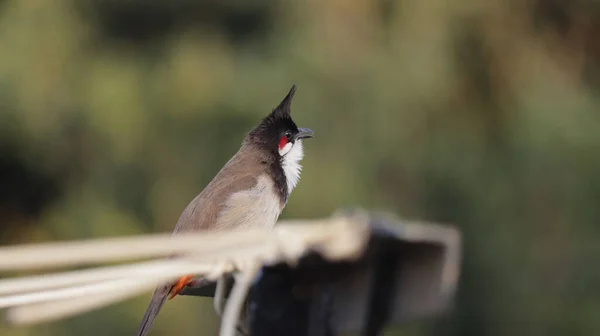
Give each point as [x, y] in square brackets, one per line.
[254, 208]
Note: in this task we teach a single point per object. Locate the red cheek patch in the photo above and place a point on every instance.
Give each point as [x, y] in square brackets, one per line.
[282, 142]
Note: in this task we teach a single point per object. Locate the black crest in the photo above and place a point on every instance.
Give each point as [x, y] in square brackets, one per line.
[283, 110]
[268, 132]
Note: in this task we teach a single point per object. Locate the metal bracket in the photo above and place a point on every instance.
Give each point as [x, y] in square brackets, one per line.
[408, 271]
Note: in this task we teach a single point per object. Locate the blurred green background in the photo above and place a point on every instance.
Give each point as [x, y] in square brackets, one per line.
[114, 114]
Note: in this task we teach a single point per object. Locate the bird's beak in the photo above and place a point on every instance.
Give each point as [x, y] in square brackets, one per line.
[304, 133]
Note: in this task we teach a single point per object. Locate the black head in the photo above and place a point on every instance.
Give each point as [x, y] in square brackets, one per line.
[277, 132]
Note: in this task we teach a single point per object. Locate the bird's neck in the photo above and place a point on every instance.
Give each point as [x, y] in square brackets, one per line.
[284, 170]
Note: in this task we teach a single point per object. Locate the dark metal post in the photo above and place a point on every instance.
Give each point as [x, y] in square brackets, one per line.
[408, 271]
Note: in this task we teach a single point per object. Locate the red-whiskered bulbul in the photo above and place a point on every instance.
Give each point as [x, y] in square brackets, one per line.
[250, 191]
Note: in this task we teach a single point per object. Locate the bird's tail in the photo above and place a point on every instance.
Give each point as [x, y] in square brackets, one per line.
[158, 299]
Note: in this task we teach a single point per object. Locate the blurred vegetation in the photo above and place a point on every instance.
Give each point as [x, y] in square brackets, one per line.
[485, 114]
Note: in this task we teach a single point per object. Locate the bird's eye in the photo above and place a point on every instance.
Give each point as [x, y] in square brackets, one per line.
[288, 134]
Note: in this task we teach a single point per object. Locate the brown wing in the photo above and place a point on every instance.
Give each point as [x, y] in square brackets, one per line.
[201, 214]
[239, 174]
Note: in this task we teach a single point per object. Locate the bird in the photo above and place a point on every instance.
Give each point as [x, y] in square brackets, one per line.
[250, 191]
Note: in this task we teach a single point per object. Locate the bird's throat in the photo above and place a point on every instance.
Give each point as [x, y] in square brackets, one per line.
[290, 163]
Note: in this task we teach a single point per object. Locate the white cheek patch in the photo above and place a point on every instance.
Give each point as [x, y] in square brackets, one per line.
[288, 146]
[291, 163]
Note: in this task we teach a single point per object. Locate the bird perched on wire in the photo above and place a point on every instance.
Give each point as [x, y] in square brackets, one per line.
[250, 191]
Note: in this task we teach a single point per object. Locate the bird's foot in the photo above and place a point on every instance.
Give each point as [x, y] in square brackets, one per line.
[179, 285]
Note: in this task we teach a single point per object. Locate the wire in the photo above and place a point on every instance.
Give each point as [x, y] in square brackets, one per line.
[210, 254]
[236, 300]
[73, 278]
[54, 310]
